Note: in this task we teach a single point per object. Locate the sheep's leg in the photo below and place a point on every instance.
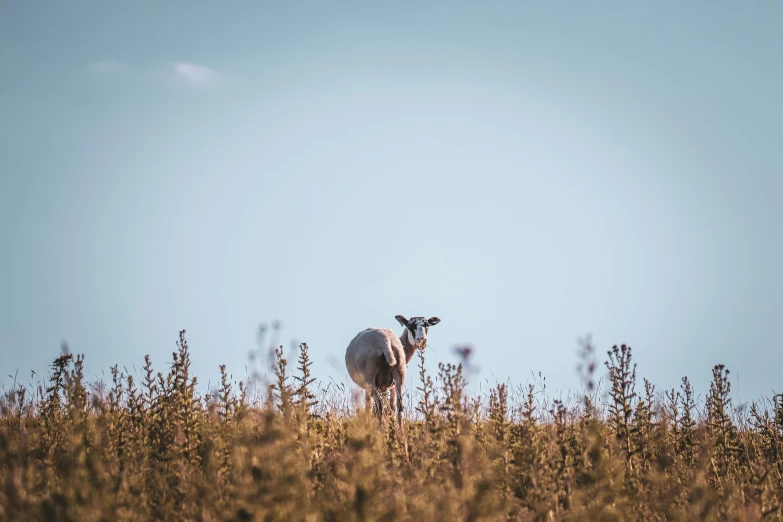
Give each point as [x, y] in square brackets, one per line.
[399, 379]
[368, 399]
[393, 400]
[376, 395]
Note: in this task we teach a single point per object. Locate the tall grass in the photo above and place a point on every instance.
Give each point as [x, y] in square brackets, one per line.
[159, 450]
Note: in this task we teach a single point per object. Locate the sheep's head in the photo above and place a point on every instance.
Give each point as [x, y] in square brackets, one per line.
[416, 329]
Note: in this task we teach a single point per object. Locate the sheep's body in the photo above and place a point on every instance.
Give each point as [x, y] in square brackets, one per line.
[377, 359]
[371, 351]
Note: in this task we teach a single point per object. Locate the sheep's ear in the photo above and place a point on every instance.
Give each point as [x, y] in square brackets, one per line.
[432, 321]
[401, 319]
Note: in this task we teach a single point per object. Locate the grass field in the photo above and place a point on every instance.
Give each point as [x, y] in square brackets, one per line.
[158, 450]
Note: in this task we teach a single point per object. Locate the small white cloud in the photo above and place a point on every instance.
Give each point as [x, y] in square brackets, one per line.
[107, 66]
[197, 74]
[160, 74]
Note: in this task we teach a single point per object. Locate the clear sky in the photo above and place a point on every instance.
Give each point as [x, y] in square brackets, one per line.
[528, 172]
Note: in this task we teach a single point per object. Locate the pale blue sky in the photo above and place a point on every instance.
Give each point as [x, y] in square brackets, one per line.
[528, 172]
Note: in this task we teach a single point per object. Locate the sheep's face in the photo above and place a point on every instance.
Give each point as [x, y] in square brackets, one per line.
[416, 329]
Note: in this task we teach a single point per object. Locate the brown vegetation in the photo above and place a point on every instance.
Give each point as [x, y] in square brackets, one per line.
[160, 451]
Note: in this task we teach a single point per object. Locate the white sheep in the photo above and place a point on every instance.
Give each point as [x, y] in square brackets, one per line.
[377, 359]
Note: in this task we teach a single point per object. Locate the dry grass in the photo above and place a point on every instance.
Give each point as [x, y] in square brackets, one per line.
[157, 450]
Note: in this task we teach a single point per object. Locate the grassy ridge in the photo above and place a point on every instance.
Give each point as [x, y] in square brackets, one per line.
[157, 450]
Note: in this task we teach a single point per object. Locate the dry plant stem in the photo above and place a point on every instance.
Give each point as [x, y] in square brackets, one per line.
[151, 447]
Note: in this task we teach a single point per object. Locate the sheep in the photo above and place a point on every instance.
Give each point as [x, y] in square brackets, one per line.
[377, 359]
